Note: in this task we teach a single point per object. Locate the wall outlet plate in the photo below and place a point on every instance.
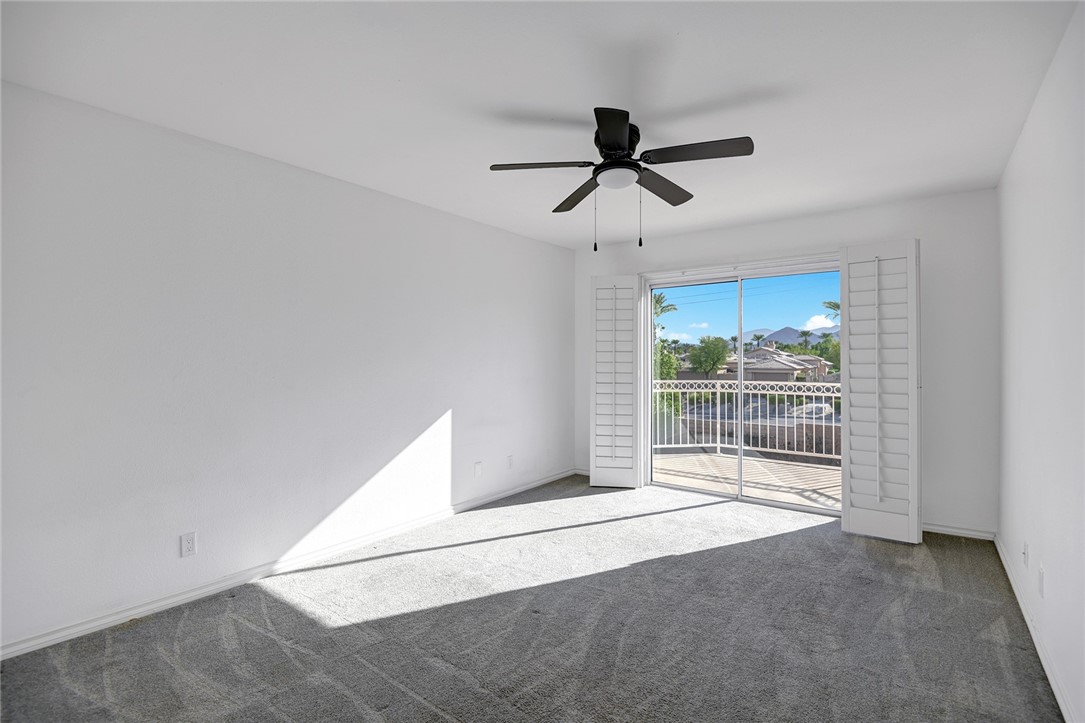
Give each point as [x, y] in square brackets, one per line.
[188, 544]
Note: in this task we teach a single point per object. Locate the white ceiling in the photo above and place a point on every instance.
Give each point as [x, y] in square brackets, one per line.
[848, 103]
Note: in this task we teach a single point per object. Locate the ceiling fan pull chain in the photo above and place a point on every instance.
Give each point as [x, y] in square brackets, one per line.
[640, 215]
[595, 201]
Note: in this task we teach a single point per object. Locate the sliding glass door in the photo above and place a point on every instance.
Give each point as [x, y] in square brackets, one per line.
[694, 408]
[745, 397]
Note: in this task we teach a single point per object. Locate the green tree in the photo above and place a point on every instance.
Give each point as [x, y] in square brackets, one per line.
[659, 301]
[708, 356]
[660, 305]
[833, 307]
[734, 343]
[832, 354]
[757, 338]
[665, 363]
[659, 308]
[805, 335]
[665, 366]
[826, 337]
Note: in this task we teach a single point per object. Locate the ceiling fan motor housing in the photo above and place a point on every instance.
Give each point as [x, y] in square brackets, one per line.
[611, 154]
[610, 165]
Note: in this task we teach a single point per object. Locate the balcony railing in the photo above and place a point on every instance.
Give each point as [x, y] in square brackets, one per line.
[797, 421]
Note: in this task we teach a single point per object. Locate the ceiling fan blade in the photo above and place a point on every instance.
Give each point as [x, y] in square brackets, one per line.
[613, 129]
[577, 196]
[700, 151]
[669, 191]
[524, 166]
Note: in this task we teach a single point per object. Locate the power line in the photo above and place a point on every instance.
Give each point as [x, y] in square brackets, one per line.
[729, 293]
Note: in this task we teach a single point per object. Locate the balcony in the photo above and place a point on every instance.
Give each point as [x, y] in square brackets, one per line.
[790, 435]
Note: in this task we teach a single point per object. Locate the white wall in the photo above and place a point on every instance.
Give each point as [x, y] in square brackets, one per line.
[1043, 397]
[959, 278]
[196, 338]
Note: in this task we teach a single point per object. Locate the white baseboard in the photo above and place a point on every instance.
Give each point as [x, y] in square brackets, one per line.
[1061, 696]
[75, 630]
[584, 472]
[960, 531]
[486, 499]
[251, 574]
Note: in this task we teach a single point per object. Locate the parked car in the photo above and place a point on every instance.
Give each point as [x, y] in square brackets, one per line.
[813, 411]
[763, 411]
[708, 411]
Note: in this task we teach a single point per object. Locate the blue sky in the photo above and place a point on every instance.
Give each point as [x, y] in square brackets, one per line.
[769, 303]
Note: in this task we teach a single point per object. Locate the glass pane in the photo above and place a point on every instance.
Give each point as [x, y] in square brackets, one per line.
[791, 389]
[694, 387]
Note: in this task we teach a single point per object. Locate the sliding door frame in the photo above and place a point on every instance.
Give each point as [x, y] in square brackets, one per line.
[715, 275]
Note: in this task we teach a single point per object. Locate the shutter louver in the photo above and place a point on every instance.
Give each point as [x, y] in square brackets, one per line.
[613, 389]
[880, 383]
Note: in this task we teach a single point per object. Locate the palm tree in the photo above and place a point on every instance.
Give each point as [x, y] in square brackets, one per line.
[833, 307]
[734, 343]
[826, 337]
[661, 307]
[757, 338]
[805, 334]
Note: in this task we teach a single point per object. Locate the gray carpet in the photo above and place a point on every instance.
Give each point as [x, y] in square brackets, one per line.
[567, 603]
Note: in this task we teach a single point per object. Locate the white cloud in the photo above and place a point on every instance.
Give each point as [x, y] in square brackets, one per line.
[679, 335]
[818, 321]
[701, 325]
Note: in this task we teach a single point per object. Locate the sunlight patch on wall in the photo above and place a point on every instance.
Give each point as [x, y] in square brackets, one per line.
[417, 482]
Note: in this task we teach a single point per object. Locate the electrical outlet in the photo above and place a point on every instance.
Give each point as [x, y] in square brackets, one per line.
[1024, 554]
[478, 469]
[1041, 580]
[510, 461]
[188, 544]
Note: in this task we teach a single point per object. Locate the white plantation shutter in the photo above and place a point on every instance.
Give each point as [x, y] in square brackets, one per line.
[879, 338]
[614, 456]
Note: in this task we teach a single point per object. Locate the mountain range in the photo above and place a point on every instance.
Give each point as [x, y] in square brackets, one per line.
[790, 335]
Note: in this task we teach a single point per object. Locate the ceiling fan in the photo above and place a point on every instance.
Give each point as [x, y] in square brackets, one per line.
[617, 138]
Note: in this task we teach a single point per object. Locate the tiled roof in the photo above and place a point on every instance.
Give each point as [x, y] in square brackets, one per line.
[777, 364]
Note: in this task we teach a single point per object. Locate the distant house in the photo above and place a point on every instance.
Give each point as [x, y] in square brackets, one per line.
[768, 350]
[821, 366]
[769, 364]
[776, 369]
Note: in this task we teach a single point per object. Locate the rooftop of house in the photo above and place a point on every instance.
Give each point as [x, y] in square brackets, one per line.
[768, 351]
[782, 364]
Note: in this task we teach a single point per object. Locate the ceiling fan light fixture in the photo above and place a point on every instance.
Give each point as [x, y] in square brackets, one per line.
[617, 177]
